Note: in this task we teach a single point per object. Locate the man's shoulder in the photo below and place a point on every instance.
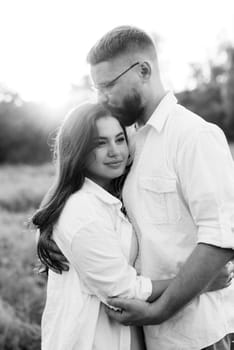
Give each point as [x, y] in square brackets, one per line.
[188, 119]
[185, 128]
[184, 123]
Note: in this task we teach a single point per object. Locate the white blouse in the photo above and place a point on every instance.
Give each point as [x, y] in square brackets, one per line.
[96, 238]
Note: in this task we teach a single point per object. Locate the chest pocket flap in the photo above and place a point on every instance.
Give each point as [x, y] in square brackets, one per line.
[160, 199]
[158, 184]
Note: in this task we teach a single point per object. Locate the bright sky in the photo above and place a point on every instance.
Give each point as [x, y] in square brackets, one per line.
[43, 43]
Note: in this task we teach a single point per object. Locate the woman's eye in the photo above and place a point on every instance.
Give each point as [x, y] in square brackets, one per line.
[120, 140]
[100, 143]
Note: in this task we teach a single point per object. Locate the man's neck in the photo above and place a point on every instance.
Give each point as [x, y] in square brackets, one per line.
[150, 108]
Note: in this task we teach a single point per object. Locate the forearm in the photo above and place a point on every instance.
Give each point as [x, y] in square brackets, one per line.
[201, 267]
[158, 287]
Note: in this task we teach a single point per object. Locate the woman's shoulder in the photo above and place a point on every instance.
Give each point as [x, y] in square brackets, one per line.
[80, 203]
[78, 212]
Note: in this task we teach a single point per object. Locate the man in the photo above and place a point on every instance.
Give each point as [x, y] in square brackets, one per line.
[179, 195]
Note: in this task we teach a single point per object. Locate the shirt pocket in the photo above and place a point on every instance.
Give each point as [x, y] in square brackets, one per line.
[160, 200]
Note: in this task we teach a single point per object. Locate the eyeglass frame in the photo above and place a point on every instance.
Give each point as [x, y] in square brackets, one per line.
[102, 86]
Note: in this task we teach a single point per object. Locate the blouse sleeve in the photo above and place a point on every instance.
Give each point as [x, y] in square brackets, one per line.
[98, 258]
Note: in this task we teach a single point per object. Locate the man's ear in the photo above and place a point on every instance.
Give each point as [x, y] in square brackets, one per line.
[145, 70]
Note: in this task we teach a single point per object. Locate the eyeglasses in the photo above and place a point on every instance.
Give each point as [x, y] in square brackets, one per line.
[103, 86]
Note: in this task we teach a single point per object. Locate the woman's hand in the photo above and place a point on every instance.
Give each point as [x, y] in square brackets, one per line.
[223, 279]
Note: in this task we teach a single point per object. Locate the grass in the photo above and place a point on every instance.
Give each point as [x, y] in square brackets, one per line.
[23, 186]
[22, 291]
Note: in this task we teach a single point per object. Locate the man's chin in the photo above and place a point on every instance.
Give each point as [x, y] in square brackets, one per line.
[125, 117]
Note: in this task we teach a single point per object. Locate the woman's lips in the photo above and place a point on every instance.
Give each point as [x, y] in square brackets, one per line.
[114, 164]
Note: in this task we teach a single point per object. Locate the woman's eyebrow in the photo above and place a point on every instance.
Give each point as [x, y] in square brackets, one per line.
[117, 135]
[120, 134]
[106, 137]
[100, 138]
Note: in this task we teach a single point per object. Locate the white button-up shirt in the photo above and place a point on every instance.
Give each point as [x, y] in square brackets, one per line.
[94, 235]
[179, 192]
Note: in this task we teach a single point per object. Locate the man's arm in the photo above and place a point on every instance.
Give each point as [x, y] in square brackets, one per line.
[202, 266]
[223, 279]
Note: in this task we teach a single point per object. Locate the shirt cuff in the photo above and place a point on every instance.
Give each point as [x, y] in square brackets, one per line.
[144, 288]
[222, 237]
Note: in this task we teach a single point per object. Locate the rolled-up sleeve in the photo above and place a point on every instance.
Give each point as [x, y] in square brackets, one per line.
[100, 262]
[206, 171]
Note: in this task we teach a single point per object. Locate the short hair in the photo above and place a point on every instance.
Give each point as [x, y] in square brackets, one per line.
[119, 41]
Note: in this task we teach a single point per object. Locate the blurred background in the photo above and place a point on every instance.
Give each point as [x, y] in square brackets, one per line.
[43, 73]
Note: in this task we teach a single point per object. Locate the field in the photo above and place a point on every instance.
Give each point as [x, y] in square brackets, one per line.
[22, 291]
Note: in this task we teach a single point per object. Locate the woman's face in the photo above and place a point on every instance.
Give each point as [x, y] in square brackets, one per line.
[109, 158]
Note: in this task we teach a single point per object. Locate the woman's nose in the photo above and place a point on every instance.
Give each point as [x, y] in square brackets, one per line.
[113, 149]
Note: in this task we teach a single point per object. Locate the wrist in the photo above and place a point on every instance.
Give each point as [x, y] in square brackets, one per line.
[156, 313]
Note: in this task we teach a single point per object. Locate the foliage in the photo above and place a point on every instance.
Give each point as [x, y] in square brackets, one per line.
[27, 129]
[16, 334]
[213, 97]
[23, 138]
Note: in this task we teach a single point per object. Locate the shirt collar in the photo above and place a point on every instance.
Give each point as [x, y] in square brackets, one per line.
[101, 193]
[162, 111]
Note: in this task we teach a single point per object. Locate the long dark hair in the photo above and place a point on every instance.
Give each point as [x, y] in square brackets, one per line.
[73, 144]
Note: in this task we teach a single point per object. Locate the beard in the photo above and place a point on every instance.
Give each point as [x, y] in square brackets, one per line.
[130, 111]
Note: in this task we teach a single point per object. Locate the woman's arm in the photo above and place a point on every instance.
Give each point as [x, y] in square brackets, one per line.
[99, 260]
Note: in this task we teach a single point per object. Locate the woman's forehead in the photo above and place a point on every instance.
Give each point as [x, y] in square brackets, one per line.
[108, 126]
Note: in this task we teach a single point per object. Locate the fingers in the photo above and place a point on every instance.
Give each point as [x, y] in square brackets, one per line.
[227, 272]
[118, 316]
[40, 268]
[118, 303]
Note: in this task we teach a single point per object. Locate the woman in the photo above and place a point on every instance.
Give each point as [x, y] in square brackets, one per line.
[82, 214]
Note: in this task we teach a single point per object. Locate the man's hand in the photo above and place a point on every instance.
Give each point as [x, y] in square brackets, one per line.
[224, 278]
[55, 254]
[132, 311]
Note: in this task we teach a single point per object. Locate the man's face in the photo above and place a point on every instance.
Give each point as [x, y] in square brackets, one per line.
[119, 88]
